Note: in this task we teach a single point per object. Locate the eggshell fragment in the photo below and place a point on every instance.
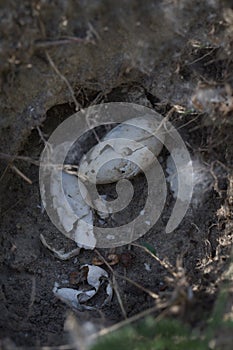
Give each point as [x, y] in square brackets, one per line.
[117, 158]
[77, 298]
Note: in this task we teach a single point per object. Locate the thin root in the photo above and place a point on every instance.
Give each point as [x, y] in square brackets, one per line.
[114, 285]
[18, 172]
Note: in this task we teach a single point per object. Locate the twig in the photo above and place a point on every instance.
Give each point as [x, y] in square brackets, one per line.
[93, 130]
[92, 31]
[189, 122]
[41, 135]
[115, 287]
[123, 323]
[149, 292]
[114, 284]
[52, 64]
[26, 159]
[32, 297]
[66, 40]
[71, 169]
[74, 170]
[57, 71]
[163, 263]
[18, 172]
[97, 99]
[11, 207]
[4, 172]
[152, 294]
[202, 57]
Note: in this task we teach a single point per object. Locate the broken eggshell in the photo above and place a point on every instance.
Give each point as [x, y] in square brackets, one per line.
[75, 214]
[77, 298]
[121, 160]
[112, 159]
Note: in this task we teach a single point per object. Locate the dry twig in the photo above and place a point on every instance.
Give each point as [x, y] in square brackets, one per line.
[22, 175]
[114, 284]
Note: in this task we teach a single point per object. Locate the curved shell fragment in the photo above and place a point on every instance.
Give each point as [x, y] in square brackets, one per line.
[123, 152]
[75, 214]
[77, 298]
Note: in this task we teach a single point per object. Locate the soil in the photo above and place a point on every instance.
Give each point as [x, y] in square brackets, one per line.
[155, 54]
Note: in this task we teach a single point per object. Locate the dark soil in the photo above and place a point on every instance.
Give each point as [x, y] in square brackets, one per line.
[153, 54]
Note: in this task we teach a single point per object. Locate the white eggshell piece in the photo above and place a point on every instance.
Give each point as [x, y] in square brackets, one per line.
[75, 214]
[73, 297]
[77, 298]
[121, 159]
[66, 216]
[187, 172]
[94, 275]
[75, 192]
[84, 235]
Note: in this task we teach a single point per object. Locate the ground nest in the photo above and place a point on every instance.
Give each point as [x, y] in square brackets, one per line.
[200, 245]
[150, 55]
